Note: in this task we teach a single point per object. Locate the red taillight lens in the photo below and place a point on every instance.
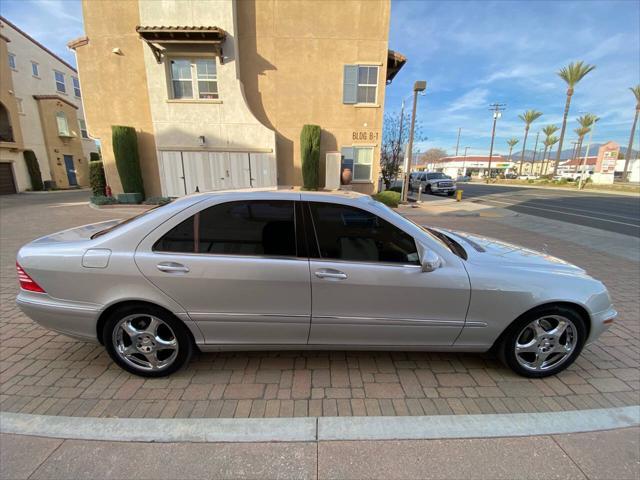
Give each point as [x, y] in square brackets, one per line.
[26, 282]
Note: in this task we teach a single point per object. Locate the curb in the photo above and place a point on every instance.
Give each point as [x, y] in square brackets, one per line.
[45, 192]
[312, 429]
[562, 189]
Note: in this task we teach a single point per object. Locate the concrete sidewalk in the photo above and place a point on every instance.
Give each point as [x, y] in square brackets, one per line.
[597, 455]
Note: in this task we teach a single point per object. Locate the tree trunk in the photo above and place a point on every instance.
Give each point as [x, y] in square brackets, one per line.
[578, 154]
[510, 150]
[627, 157]
[545, 163]
[524, 145]
[564, 127]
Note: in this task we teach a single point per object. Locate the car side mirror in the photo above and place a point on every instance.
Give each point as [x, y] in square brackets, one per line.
[429, 260]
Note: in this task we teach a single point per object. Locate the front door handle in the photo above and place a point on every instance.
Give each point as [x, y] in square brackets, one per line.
[172, 267]
[331, 273]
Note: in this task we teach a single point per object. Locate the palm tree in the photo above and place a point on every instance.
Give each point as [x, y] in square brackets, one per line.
[528, 118]
[548, 131]
[580, 132]
[512, 143]
[571, 74]
[586, 121]
[627, 157]
[590, 123]
[549, 142]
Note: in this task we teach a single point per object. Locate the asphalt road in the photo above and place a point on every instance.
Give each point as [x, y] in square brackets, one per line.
[614, 213]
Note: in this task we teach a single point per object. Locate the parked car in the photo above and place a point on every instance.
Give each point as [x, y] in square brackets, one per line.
[236, 271]
[463, 178]
[528, 177]
[511, 176]
[433, 182]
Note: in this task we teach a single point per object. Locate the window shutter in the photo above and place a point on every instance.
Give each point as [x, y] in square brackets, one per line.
[350, 84]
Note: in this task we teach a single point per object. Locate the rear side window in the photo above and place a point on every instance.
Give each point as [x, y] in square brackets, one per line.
[349, 233]
[258, 227]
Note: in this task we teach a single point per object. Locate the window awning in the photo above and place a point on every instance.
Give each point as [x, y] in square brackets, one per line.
[159, 37]
[395, 61]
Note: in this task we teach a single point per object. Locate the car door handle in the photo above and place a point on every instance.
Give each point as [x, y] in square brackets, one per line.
[330, 273]
[172, 267]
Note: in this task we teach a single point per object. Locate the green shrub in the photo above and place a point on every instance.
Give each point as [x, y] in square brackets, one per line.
[94, 157]
[96, 178]
[310, 155]
[395, 189]
[388, 197]
[157, 201]
[125, 150]
[102, 200]
[34, 170]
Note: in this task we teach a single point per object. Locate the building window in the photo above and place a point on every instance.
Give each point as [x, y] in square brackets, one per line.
[19, 105]
[76, 87]
[360, 161]
[63, 125]
[83, 128]
[12, 61]
[194, 78]
[367, 84]
[35, 70]
[60, 86]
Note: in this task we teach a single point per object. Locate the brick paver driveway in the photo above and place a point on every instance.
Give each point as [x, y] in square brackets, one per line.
[46, 373]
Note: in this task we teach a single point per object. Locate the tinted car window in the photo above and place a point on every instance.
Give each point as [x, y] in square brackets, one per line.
[348, 233]
[259, 227]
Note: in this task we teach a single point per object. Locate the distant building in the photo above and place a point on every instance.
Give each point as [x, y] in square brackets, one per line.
[577, 165]
[471, 165]
[40, 110]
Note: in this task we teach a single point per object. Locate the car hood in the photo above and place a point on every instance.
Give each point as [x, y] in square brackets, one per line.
[485, 250]
[78, 233]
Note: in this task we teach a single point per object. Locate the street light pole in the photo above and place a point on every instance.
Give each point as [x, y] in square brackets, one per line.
[418, 86]
[497, 108]
[464, 161]
[458, 142]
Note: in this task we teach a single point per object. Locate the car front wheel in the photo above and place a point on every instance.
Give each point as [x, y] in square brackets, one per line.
[147, 341]
[543, 342]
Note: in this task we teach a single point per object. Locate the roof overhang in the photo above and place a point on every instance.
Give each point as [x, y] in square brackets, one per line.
[158, 38]
[395, 61]
[57, 98]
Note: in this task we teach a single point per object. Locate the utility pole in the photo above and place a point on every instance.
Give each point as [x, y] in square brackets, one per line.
[418, 86]
[464, 161]
[497, 109]
[458, 142]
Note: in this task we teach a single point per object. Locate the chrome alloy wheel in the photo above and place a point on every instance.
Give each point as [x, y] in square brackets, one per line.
[545, 343]
[145, 342]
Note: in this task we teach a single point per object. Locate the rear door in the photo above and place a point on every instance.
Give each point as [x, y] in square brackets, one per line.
[368, 287]
[238, 271]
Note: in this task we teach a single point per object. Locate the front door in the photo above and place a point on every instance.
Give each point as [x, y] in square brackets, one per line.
[368, 287]
[236, 269]
[71, 170]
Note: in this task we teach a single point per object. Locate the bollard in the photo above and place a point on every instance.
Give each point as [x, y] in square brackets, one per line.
[420, 193]
[459, 195]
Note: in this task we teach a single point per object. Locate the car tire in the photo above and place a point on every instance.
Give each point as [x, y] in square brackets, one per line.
[450, 194]
[531, 346]
[427, 189]
[147, 341]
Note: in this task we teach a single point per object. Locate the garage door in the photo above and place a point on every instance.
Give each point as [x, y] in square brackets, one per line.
[187, 172]
[7, 182]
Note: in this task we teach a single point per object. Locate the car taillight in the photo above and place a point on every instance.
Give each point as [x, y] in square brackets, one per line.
[26, 282]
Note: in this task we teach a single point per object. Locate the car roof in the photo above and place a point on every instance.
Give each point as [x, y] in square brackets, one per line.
[293, 194]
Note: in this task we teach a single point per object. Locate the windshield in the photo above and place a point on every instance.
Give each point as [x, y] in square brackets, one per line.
[124, 222]
[436, 176]
[444, 240]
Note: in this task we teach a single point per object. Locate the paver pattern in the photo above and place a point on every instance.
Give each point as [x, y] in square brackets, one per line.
[42, 372]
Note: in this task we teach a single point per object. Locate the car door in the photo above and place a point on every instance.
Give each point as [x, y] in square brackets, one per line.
[237, 270]
[368, 287]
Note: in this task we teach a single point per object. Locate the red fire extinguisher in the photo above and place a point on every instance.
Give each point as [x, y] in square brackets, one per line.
[108, 191]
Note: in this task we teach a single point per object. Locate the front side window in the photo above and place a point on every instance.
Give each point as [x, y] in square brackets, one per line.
[63, 124]
[257, 227]
[83, 128]
[351, 234]
[194, 79]
[60, 85]
[12, 61]
[367, 84]
[76, 87]
[35, 69]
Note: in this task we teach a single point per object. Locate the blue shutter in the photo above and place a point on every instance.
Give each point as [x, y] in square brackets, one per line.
[350, 84]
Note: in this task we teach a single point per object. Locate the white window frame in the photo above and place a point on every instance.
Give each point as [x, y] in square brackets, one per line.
[62, 132]
[375, 85]
[194, 79]
[355, 162]
[35, 69]
[57, 82]
[75, 82]
[83, 128]
[12, 61]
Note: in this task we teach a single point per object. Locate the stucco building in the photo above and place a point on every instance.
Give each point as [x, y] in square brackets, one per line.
[41, 110]
[219, 90]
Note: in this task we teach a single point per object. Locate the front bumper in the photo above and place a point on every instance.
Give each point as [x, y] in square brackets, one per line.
[78, 320]
[437, 189]
[600, 322]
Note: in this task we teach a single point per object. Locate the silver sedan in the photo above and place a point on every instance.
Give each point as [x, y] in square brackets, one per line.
[253, 270]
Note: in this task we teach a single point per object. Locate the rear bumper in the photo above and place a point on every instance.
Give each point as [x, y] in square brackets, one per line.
[598, 325]
[74, 319]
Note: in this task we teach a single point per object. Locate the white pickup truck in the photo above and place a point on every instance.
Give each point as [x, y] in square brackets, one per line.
[432, 182]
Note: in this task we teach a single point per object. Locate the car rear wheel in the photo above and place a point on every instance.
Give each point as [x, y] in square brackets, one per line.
[147, 341]
[543, 342]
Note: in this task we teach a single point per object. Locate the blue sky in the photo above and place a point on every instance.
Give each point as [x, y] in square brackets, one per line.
[471, 54]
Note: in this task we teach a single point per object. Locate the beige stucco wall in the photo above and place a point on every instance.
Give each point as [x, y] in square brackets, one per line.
[292, 55]
[115, 85]
[57, 146]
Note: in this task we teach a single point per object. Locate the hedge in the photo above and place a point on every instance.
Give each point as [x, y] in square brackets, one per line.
[34, 170]
[389, 198]
[125, 150]
[310, 155]
[97, 179]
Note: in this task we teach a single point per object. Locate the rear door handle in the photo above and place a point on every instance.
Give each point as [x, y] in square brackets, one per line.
[331, 273]
[172, 267]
